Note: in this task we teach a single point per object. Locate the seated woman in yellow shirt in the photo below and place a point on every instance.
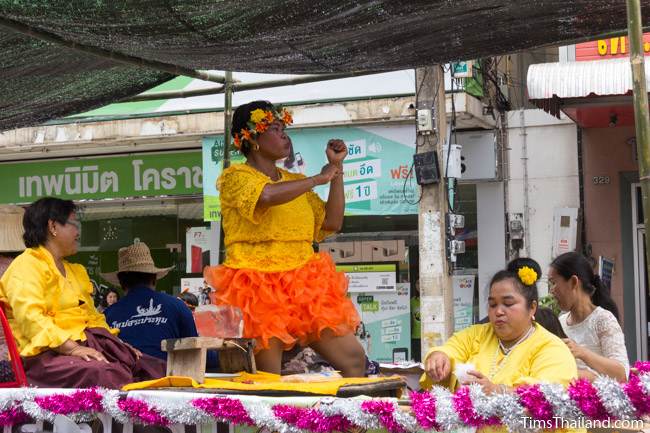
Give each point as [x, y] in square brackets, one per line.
[63, 340]
[508, 351]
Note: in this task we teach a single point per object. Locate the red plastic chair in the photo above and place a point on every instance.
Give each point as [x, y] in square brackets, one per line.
[12, 374]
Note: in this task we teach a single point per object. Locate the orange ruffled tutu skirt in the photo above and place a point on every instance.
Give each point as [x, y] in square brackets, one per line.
[294, 306]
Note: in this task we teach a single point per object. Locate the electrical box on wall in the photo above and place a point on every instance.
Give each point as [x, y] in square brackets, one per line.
[565, 230]
[516, 230]
[426, 168]
[425, 121]
[451, 161]
[455, 222]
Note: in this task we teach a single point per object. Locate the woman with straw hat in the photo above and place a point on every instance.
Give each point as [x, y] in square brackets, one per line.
[63, 340]
[11, 235]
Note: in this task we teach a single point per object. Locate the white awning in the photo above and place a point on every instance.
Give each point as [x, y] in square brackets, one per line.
[581, 79]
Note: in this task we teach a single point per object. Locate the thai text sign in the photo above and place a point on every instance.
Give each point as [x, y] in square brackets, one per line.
[609, 48]
[154, 174]
[368, 278]
[376, 171]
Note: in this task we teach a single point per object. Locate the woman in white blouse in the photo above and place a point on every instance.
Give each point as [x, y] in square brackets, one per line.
[590, 319]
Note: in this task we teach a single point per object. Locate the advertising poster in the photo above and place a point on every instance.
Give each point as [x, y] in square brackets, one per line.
[385, 329]
[606, 271]
[376, 170]
[463, 301]
[368, 278]
[197, 249]
[198, 287]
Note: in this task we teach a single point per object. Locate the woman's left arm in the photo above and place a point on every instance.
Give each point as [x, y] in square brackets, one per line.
[613, 362]
[598, 363]
[335, 206]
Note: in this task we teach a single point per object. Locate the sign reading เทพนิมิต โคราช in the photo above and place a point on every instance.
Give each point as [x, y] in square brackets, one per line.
[142, 175]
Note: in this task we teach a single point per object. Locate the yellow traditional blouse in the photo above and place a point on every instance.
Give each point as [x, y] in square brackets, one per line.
[44, 308]
[274, 239]
[542, 357]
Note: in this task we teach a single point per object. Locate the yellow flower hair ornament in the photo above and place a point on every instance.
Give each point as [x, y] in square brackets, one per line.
[259, 122]
[527, 275]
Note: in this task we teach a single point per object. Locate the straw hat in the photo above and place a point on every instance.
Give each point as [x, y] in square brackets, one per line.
[11, 229]
[135, 258]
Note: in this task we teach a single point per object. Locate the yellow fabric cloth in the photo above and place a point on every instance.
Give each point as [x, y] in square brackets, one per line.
[542, 357]
[257, 382]
[274, 239]
[43, 307]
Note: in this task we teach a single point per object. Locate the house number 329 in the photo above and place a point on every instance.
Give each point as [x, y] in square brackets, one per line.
[601, 180]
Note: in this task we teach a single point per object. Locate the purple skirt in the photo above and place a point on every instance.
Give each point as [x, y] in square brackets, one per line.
[52, 370]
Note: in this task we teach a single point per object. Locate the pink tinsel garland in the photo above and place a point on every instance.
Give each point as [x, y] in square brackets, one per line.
[583, 393]
[423, 405]
[532, 398]
[311, 419]
[224, 408]
[12, 416]
[385, 410]
[140, 410]
[462, 402]
[636, 393]
[85, 400]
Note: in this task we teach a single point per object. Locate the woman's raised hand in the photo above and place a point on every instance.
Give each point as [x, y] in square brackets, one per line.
[327, 173]
[438, 366]
[336, 151]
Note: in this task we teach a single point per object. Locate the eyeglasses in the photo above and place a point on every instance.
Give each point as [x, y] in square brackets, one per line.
[74, 223]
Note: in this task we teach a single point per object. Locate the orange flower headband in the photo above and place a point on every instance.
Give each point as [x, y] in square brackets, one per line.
[259, 123]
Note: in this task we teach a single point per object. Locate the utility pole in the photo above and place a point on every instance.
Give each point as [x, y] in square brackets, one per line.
[640, 98]
[216, 226]
[436, 306]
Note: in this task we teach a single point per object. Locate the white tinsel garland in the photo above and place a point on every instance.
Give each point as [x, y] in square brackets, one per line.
[605, 399]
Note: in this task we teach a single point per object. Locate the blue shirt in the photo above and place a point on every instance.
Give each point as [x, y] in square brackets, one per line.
[146, 317]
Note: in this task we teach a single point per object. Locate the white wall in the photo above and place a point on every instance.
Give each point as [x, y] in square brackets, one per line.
[491, 237]
[552, 177]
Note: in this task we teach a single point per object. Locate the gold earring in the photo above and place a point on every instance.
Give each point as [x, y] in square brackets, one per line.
[53, 233]
[256, 147]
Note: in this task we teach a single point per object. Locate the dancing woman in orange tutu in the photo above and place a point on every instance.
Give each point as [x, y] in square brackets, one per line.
[289, 294]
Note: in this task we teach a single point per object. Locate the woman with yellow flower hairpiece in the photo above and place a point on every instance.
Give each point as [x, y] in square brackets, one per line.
[289, 294]
[510, 350]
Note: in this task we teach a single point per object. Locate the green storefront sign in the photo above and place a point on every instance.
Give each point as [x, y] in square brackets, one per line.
[142, 175]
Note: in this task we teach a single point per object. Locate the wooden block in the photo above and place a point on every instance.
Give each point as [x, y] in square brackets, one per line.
[189, 343]
[188, 362]
[187, 356]
[237, 354]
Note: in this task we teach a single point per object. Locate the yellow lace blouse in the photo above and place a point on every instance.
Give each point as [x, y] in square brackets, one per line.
[273, 239]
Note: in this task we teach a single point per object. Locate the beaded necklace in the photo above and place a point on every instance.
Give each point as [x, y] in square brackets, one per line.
[495, 368]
